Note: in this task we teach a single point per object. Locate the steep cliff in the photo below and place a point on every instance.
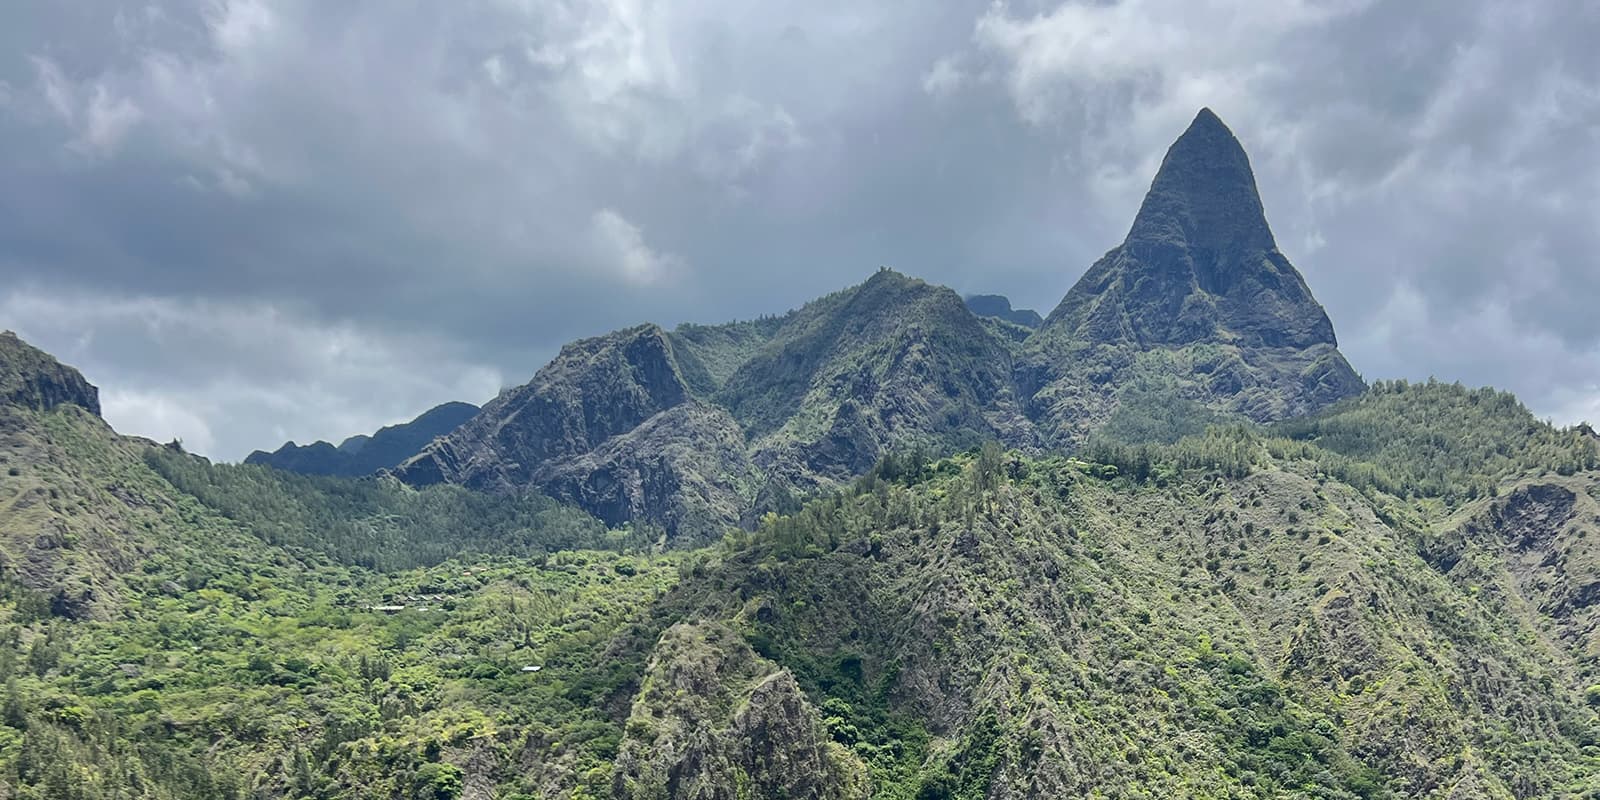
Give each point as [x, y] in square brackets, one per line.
[32, 378]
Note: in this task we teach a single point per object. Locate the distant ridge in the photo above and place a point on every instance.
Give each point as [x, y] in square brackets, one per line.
[999, 307]
[362, 454]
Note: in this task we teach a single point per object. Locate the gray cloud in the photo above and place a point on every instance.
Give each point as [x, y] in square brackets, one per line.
[252, 221]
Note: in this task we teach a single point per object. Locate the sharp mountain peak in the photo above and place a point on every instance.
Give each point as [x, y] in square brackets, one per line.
[1199, 262]
[1205, 193]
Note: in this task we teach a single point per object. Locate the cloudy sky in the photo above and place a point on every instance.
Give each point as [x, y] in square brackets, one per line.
[250, 221]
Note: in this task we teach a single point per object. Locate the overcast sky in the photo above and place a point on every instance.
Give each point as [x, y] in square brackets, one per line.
[256, 221]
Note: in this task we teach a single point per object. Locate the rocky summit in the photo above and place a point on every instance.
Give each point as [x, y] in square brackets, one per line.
[1196, 310]
[1199, 264]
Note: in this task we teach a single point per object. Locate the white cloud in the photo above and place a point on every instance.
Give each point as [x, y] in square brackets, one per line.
[157, 416]
[107, 120]
[96, 116]
[1572, 405]
[945, 77]
[621, 249]
[1409, 340]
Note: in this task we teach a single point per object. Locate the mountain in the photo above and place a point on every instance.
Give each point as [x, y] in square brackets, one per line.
[1196, 319]
[1393, 598]
[1167, 545]
[892, 363]
[999, 307]
[365, 455]
[1196, 309]
[697, 430]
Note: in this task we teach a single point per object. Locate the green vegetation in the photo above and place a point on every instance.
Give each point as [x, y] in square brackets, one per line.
[1435, 440]
[877, 364]
[1197, 575]
[287, 655]
[1222, 616]
[380, 523]
[290, 685]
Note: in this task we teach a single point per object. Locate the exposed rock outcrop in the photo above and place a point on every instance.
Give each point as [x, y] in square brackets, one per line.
[594, 389]
[32, 378]
[1197, 299]
[684, 470]
[715, 721]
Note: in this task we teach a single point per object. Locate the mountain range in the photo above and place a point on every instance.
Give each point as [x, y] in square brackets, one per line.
[701, 428]
[895, 543]
[364, 454]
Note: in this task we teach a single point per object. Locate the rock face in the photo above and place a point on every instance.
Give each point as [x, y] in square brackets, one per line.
[894, 362]
[999, 307]
[1199, 263]
[714, 721]
[1546, 536]
[365, 455]
[684, 469]
[594, 389]
[32, 378]
[694, 430]
[1197, 301]
[612, 425]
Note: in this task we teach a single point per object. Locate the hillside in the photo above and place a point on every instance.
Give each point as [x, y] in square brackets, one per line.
[698, 430]
[178, 629]
[1236, 615]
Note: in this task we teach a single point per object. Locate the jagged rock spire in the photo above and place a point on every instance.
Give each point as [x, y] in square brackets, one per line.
[1199, 262]
[1204, 196]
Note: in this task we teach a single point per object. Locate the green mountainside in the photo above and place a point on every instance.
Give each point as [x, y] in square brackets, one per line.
[362, 454]
[1283, 612]
[882, 546]
[693, 431]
